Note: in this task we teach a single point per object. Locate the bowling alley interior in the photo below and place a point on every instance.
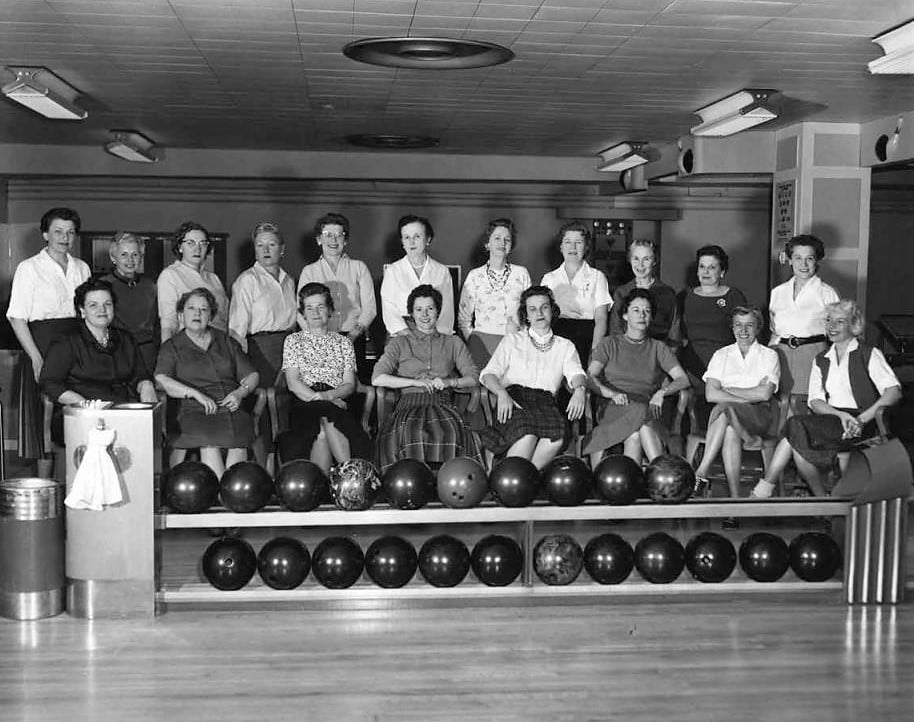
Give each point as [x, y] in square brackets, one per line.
[456, 359]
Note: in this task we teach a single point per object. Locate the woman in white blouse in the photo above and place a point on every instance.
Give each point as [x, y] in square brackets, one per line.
[581, 291]
[491, 293]
[797, 310]
[524, 373]
[414, 269]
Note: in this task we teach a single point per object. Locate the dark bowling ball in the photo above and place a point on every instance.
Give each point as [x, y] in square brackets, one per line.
[609, 559]
[190, 488]
[462, 483]
[669, 479]
[337, 562]
[444, 561]
[557, 559]
[514, 482]
[300, 484]
[567, 481]
[246, 487]
[283, 563]
[355, 485]
[710, 557]
[764, 557]
[814, 557]
[229, 563]
[619, 479]
[659, 558]
[408, 484]
[391, 562]
[497, 560]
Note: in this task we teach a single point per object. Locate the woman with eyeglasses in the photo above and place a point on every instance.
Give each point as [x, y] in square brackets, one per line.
[191, 245]
[351, 287]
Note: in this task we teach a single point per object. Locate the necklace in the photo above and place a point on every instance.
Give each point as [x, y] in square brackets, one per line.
[542, 346]
[498, 280]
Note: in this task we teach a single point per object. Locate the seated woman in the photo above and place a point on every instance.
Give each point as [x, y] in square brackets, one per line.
[848, 384]
[524, 373]
[629, 369]
[208, 377]
[94, 360]
[319, 366]
[741, 380]
[425, 364]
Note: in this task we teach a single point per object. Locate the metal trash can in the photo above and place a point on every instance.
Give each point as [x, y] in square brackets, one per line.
[32, 579]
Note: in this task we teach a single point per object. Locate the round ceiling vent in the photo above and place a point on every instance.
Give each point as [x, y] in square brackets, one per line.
[391, 142]
[427, 53]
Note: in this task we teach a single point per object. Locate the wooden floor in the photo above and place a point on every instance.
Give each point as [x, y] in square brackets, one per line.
[764, 659]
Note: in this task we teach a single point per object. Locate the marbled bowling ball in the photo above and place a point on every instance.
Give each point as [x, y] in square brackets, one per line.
[409, 484]
[618, 479]
[659, 558]
[567, 481]
[300, 484]
[444, 561]
[557, 559]
[354, 485]
[669, 479]
[710, 557]
[337, 562]
[609, 559]
[190, 487]
[497, 560]
[814, 556]
[283, 563]
[764, 557]
[246, 487]
[462, 483]
[229, 563]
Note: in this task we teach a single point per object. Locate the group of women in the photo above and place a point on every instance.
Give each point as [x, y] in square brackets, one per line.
[541, 351]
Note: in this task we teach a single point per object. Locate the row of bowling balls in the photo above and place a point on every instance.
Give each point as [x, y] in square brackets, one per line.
[497, 561]
[192, 487]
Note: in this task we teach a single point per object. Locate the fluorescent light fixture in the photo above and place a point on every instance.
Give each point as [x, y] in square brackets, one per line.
[131, 146]
[734, 113]
[32, 88]
[623, 156]
[898, 46]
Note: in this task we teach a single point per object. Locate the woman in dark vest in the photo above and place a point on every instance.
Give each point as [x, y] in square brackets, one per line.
[848, 384]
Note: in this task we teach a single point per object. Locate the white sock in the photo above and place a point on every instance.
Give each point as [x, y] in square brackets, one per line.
[763, 489]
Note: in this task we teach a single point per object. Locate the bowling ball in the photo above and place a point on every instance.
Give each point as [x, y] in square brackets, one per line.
[567, 481]
[190, 488]
[497, 560]
[659, 558]
[462, 483]
[557, 559]
[408, 484]
[619, 479]
[669, 479]
[764, 557]
[229, 563]
[354, 485]
[514, 482]
[283, 563]
[337, 562]
[814, 557]
[609, 559]
[391, 562]
[710, 557]
[300, 484]
[444, 561]
[246, 487]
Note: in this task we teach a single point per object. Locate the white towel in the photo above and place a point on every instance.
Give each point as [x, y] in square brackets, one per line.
[96, 484]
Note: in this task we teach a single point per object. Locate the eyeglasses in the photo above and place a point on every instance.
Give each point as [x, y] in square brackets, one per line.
[333, 236]
[198, 244]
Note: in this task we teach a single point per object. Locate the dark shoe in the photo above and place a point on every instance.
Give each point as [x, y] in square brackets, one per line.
[702, 488]
[731, 523]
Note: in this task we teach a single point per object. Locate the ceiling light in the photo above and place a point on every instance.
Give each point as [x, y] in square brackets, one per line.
[427, 53]
[623, 156]
[898, 46]
[736, 112]
[131, 146]
[38, 89]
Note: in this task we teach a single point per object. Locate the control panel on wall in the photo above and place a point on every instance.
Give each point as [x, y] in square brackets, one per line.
[610, 241]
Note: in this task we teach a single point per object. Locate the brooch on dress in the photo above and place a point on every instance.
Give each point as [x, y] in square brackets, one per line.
[721, 302]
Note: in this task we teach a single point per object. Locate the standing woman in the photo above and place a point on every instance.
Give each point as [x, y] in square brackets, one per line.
[262, 311]
[797, 310]
[320, 366]
[491, 293]
[581, 291]
[41, 308]
[191, 245]
[351, 287]
[414, 269]
[642, 257]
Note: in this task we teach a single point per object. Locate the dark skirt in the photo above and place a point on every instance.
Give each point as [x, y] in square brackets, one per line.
[427, 427]
[189, 427]
[538, 416]
[305, 424]
[616, 423]
[749, 421]
[265, 352]
[818, 437]
[580, 332]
